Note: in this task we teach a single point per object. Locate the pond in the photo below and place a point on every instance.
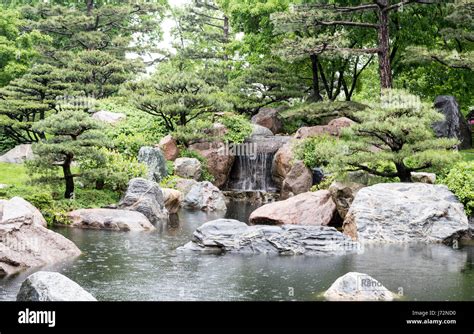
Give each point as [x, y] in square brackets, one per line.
[145, 266]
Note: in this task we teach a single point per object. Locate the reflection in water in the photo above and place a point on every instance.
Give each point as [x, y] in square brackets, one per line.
[145, 266]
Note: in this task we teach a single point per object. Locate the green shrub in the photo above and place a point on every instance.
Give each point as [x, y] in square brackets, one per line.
[238, 127]
[198, 129]
[460, 180]
[113, 172]
[317, 151]
[169, 182]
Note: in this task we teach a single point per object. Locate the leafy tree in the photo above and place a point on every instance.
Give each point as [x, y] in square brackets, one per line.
[27, 100]
[18, 49]
[72, 135]
[263, 84]
[394, 139]
[177, 96]
[321, 17]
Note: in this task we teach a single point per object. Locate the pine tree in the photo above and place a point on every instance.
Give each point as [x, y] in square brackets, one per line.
[29, 99]
[394, 139]
[177, 96]
[72, 135]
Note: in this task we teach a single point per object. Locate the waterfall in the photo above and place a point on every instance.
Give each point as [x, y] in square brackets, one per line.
[253, 172]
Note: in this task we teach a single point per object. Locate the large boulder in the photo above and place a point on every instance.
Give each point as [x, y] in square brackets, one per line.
[298, 180]
[258, 130]
[25, 243]
[172, 199]
[232, 236]
[184, 185]
[268, 117]
[18, 154]
[189, 168]
[44, 286]
[169, 147]
[17, 207]
[358, 287]
[219, 160]
[205, 196]
[155, 161]
[404, 212]
[109, 219]
[282, 162]
[146, 197]
[108, 116]
[310, 208]
[343, 194]
[333, 128]
[454, 125]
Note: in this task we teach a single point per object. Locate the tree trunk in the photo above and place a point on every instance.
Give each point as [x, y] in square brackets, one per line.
[90, 7]
[403, 173]
[385, 67]
[69, 178]
[316, 95]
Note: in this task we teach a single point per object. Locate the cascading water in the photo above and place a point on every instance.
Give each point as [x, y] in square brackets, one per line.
[252, 169]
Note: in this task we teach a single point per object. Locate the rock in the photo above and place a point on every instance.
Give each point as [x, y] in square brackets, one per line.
[232, 236]
[429, 178]
[358, 287]
[44, 286]
[268, 117]
[310, 208]
[258, 130]
[204, 196]
[108, 116]
[359, 176]
[155, 161]
[343, 194]
[298, 180]
[25, 243]
[3, 186]
[169, 148]
[341, 122]
[318, 175]
[405, 212]
[17, 207]
[185, 185]
[334, 128]
[189, 168]
[282, 162]
[109, 219]
[17, 155]
[173, 199]
[454, 126]
[146, 197]
[219, 160]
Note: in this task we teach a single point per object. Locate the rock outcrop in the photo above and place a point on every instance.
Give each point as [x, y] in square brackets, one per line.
[146, 197]
[454, 125]
[268, 117]
[109, 219]
[258, 130]
[310, 208]
[108, 116]
[155, 161]
[429, 178]
[219, 160]
[169, 148]
[17, 155]
[44, 286]
[282, 162]
[189, 168]
[232, 236]
[298, 180]
[405, 212]
[343, 194]
[25, 243]
[358, 287]
[204, 196]
[17, 207]
[172, 199]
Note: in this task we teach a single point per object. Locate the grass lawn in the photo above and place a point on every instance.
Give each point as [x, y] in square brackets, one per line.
[13, 174]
